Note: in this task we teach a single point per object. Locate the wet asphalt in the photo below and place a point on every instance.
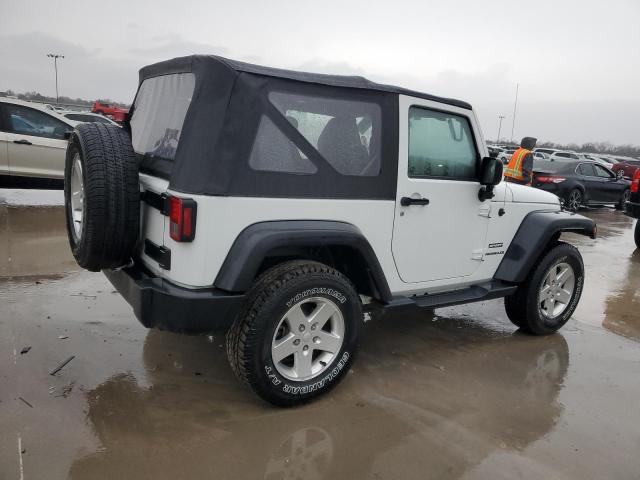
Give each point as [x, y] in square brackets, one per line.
[455, 393]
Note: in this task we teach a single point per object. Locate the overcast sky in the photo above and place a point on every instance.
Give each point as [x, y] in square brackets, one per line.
[577, 62]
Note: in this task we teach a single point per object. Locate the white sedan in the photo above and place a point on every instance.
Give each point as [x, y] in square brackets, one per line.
[85, 117]
[33, 140]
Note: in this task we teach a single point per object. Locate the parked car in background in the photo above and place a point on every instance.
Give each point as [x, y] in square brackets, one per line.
[601, 159]
[564, 156]
[626, 167]
[633, 206]
[33, 140]
[116, 113]
[494, 150]
[581, 183]
[84, 117]
[546, 151]
[55, 108]
[540, 156]
[506, 155]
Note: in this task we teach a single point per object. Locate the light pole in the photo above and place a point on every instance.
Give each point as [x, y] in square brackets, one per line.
[515, 107]
[500, 118]
[55, 57]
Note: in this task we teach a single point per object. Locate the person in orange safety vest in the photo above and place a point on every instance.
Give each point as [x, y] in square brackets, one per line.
[520, 167]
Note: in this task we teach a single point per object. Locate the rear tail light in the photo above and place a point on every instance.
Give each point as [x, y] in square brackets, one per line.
[549, 179]
[635, 184]
[182, 219]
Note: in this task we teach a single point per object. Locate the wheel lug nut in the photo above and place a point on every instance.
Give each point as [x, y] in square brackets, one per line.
[296, 342]
[301, 328]
[316, 339]
[313, 327]
[305, 348]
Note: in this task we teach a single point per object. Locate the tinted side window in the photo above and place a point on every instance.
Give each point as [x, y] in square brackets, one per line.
[602, 172]
[29, 121]
[440, 145]
[159, 111]
[346, 133]
[273, 152]
[586, 169]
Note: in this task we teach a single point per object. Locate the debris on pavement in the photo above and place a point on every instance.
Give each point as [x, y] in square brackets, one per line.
[83, 295]
[61, 365]
[66, 390]
[25, 350]
[25, 402]
[63, 337]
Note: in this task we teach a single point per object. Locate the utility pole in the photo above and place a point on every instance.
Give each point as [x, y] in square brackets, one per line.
[515, 106]
[55, 57]
[500, 118]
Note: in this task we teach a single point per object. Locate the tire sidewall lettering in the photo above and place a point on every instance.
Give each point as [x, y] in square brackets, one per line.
[303, 389]
[314, 292]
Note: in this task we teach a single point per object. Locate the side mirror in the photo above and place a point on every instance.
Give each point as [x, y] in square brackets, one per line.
[67, 134]
[491, 172]
[490, 176]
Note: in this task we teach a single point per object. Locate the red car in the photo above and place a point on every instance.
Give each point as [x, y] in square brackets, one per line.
[626, 166]
[115, 113]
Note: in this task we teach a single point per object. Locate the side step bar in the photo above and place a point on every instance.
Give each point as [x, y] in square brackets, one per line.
[475, 293]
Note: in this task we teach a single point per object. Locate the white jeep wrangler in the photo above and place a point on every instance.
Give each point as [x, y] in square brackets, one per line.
[283, 206]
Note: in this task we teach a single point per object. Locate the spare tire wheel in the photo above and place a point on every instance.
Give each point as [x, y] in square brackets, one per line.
[101, 196]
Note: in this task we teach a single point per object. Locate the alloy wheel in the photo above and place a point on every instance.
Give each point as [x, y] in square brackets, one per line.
[556, 290]
[575, 200]
[307, 339]
[77, 197]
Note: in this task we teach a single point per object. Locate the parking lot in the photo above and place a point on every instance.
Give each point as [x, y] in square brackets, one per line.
[457, 393]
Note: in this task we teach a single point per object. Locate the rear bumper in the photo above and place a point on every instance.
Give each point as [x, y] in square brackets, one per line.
[160, 304]
[633, 209]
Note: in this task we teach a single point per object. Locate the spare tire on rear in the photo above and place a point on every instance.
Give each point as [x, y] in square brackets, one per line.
[101, 196]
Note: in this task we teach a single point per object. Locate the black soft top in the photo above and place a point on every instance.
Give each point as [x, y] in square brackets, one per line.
[237, 137]
[192, 63]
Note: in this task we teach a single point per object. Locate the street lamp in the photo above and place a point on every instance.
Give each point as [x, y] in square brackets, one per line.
[500, 118]
[55, 57]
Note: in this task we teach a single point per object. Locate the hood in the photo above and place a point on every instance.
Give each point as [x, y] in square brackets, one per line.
[524, 194]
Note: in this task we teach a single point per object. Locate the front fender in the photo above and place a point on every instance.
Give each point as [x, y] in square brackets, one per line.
[536, 231]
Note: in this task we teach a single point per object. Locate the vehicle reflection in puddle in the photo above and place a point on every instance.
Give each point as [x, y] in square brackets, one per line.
[609, 297]
[622, 308]
[33, 241]
[436, 384]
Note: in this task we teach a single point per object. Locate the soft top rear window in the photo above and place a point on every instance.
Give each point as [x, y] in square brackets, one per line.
[159, 112]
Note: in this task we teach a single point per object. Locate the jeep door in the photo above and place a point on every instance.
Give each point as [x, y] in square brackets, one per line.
[440, 225]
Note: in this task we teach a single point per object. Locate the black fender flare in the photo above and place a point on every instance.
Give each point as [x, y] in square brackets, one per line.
[536, 231]
[254, 243]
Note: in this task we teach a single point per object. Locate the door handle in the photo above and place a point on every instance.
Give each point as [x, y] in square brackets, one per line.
[408, 201]
[23, 142]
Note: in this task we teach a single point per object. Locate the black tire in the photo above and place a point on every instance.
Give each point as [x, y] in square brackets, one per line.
[622, 204]
[574, 200]
[636, 234]
[111, 213]
[523, 307]
[250, 338]
[514, 307]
